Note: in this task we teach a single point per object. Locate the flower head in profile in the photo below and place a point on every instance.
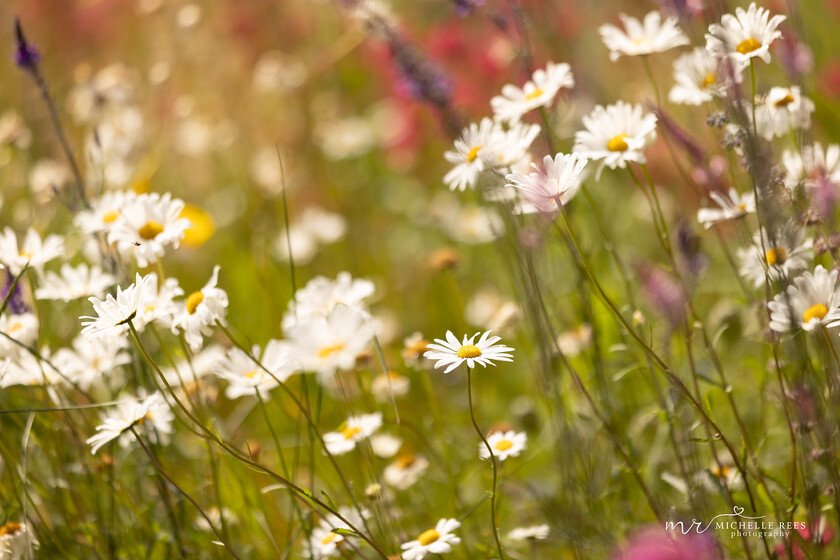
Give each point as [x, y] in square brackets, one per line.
[538, 92]
[32, 251]
[152, 412]
[554, 183]
[744, 36]
[452, 353]
[354, 430]
[325, 542]
[532, 533]
[504, 445]
[434, 541]
[74, 283]
[783, 109]
[114, 313]
[200, 311]
[642, 37]
[730, 207]
[147, 225]
[322, 295]
[615, 135]
[811, 301]
[700, 77]
[811, 163]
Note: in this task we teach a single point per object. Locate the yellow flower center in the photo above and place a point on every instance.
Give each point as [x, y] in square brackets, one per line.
[816, 311]
[469, 351]
[775, 256]
[193, 301]
[327, 351]
[428, 537]
[473, 153]
[25, 254]
[14, 327]
[617, 143]
[150, 230]
[110, 217]
[747, 46]
[252, 374]
[504, 445]
[10, 528]
[329, 538]
[785, 101]
[349, 432]
[709, 79]
[534, 94]
[721, 472]
[405, 461]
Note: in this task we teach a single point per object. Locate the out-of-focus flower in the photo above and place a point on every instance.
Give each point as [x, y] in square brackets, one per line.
[813, 300]
[104, 212]
[152, 413]
[322, 295]
[744, 36]
[324, 541]
[434, 541]
[452, 353]
[385, 445]
[504, 445]
[534, 532]
[345, 138]
[113, 144]
[354, 430]
[472, 224]
[723, 475]
[783, 256]
[315, 227]
[13, 130]
[201, 311]
[538, 92]
[488, 308]
[73, 283]
[47, 177]
[15, 540]
[616, 135]
[663, 292]
[147, 225]
[387, 384]
[553, 184]
[642, 38]
[406, 470]
[21, 327]
[91, 360]
[277, 72]
[112, 86]
[806, 166]
[201, 226]
[26, 55]
[32, 251]
[188, 373]
[572, 343]
[215, 515]
[414, 346]
[731, 207]
[654, 544]
[159, 303]
[700, 78]
[783, 109]
[246, 377]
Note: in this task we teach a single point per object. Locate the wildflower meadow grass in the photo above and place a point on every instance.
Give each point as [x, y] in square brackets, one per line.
[465, 279]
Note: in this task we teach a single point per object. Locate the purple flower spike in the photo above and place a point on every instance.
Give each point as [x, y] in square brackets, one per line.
[26, 56]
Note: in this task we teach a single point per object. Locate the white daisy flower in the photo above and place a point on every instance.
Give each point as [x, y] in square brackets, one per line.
[557, 181]
[16, 540]
[114, 313]
[324, 345]
[324, 541]
[534, 532]
[246, 377]
[573, 342]
[616, 135]
[812, 163]
[405, 471]
[201, 311]
[504, 445]
[147, 225]
[783, 109]
[512, 151]
[730, 208]
[159, 305]
[74, 283]
[452, 353]
[316, 227]
[700, 78]
[725, 474]
[538, 92]
[32, 250]
[478, 144]
[434, 541]
[744, 36]
[25, 369]
[414, 348]
[22, 327]
[812, 300]
[386, 384]
[188, 373]
[91, 360]
[785, 256]
[642, 38]
[321, 296]
[104, 212]
[385, 445]
[354, 430]
[215, 515]
[152, 413]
